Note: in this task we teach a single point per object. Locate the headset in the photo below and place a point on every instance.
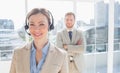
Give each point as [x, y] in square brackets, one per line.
[51, 23]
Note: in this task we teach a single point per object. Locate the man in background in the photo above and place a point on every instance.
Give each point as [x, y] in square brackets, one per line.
[71, 40]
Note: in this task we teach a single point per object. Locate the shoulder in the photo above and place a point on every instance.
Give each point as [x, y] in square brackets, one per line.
[59, 51]
[79, 31]
[60, 32]
[19, 50]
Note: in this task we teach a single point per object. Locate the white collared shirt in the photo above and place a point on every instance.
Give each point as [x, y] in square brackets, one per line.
[70, 29]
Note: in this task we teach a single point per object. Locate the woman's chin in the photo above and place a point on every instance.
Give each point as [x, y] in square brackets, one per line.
[37, 37]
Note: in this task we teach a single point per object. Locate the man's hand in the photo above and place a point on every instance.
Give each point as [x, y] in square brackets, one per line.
[79, 42]
[65, 46]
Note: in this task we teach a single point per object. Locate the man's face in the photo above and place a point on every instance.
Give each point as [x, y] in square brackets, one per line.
[69, 21]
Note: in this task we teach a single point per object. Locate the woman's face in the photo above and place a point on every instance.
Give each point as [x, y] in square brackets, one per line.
[38, 26]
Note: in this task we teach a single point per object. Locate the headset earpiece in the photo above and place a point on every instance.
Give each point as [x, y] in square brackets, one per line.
[26, 27]
[51, 27]
[51, 24]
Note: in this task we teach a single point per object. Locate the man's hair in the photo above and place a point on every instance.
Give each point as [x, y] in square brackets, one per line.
[70, 13]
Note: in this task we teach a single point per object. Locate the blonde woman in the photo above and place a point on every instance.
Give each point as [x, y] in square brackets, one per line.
[39, 56]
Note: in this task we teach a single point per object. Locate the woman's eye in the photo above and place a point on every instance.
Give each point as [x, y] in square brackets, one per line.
[31, 24]
[42, 24]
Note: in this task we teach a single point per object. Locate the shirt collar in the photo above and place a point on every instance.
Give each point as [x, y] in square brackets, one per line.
[71, 29]
[44, 49]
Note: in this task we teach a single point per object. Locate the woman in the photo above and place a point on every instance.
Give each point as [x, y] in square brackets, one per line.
[39, 56]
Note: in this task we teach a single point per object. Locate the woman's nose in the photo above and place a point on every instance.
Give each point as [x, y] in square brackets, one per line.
[37, 28]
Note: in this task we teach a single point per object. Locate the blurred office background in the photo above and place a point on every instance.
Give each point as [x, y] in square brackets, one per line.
[99, 20]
